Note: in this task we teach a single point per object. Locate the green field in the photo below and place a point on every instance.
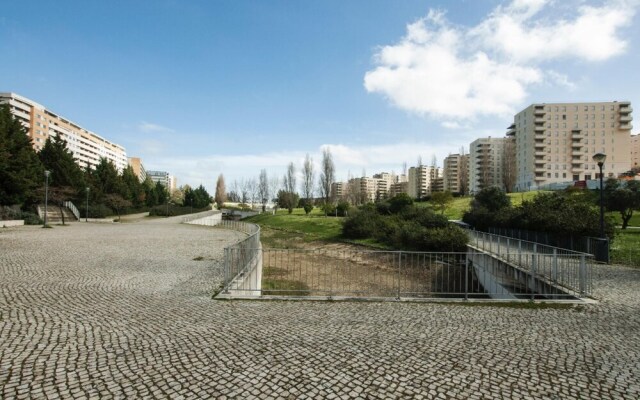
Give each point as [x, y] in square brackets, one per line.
[625, 248]
[298, 226]
[461, 204]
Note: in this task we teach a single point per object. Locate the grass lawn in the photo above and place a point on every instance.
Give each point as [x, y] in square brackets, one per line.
[314, 226]
[461, 204]
[634, 221]
[625, 248]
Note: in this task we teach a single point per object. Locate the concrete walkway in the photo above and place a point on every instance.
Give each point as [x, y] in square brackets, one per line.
[124, 311]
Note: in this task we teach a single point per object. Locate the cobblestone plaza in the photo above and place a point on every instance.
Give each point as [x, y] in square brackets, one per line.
[125, 311]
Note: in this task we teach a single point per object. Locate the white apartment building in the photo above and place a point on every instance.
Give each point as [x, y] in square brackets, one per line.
[635, 151]
[555, 142]
[138, 168]
[164, 178]
[87, 147]
[455, 173]
[421, 180]
[486, 163]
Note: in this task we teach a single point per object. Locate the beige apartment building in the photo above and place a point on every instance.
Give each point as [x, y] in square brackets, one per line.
[421, 180]
[138, 168]
[164, 178]
[87, 147]
[486, 163]
[555, 142]
[635, 151]
[455, 173]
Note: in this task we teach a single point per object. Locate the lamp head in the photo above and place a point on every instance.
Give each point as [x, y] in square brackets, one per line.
[599, 158]
[47, 173]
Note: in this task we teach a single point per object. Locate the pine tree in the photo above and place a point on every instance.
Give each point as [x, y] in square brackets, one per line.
[65, 172]
[20, 169]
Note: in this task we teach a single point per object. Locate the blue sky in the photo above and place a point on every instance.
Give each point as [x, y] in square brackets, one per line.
[200, 88]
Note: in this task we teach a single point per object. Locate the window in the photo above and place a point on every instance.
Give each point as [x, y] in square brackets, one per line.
[587, 177]
[564, 117]
[564, 174]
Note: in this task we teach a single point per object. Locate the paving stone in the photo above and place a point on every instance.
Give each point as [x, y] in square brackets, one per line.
[124, 311]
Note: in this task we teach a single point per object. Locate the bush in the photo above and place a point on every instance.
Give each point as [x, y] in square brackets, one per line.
[399, 203]
[343, 208]
[361, 225]
[31, 218]
[307, 207]
[328, 209]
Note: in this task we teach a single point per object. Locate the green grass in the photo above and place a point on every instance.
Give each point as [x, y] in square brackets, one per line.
[634, 221]
[312, 227]
[461, 204]
[625, 248]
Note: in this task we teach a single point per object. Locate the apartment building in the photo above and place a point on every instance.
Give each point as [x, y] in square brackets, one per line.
[555, 142]
[635, 151]
[338, 190]
[398, 187]
[87, 147]
[164, 178]
[486, 158]
[421, 180]
[455, 173]
[138, 168]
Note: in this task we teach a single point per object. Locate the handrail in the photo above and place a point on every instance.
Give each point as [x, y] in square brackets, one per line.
[73, 209]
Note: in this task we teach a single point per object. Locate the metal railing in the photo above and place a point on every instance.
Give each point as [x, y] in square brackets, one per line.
[242, 259]
[598, 247]
[562, 268]
[404, 275]
[73, 209]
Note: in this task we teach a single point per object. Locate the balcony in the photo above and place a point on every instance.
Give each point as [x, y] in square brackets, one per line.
[511, 130]
[626, 109]
[626, 126]
[539, 128]
[625, 118]
[539, 111]
[538, 120]
[540, 169]
[539, 178]
[540, 153]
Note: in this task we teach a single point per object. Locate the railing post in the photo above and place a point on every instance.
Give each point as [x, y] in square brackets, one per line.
[399, 271]
[226, 270]
[466, 279]
[534, 259]
[520, 252]
[555, 265]
[582, 275]
[508, 247]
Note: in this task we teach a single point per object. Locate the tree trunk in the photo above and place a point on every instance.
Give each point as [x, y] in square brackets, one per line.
[626, 216]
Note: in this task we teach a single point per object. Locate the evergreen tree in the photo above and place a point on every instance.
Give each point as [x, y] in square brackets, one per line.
[56, 158]
[20, 169]
[134, 192]
[106, 180]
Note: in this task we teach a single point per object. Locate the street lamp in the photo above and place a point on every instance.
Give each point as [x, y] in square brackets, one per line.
[46, 194]
[86, 213]
[599, 158]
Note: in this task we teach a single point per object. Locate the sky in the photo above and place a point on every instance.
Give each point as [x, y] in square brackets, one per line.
[200, 88]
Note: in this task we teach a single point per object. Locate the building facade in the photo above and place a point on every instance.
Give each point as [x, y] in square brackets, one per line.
[555, 142]
[486, 163]
[164, 178]
[138, 168]
[421, 180]
[635, 151]
[455, 173]
[87, 147]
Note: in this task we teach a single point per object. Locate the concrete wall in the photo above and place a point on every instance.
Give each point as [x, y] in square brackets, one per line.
[10, 223]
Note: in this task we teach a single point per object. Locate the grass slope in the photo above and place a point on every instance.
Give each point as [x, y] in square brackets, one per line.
[314, 226]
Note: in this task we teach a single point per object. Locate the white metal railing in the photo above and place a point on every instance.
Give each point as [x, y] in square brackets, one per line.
[73, 209]
[560, 267]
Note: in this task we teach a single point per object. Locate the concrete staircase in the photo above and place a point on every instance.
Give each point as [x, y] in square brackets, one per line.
[54, 215]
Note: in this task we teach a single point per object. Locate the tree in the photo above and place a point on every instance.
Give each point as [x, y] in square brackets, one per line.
[289, 182]
[441, 200]
[327, 175]
[160, 193]
[263, 189]
[150, 195]
[274, 186]
[509, 168]
[21, 172]
[308, 178]
[252, 187]
[220, 196]
[117, 202]
[623, 198]
[287, 200]
[463, 169]
[492, 198]
[134, 192]
[105, 180]
[55, 157]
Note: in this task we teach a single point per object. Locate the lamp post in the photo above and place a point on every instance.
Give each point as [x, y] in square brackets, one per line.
[600, 158]
[86, 213]
[46, 194]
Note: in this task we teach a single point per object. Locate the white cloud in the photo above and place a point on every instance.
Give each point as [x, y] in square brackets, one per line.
[455, 73]
[149, 127]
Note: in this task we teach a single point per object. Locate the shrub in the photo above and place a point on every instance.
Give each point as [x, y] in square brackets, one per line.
[307, 207]
[399, 203]
[361, 225]
[328, 209]
[31, 218]
[343, 208]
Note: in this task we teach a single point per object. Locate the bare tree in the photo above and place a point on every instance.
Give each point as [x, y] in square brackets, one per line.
[463, 169]
[274, 186]
[234, 194]
[327, 175]
[509, 169]
[244, 190]
[404, 169]
[289, 183]
[221, 194]
[419, 161]
[434, 161]
[263, 189]
[252, 190]
[308, 178]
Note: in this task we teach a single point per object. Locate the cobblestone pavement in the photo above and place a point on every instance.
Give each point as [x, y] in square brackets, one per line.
[124, 311]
